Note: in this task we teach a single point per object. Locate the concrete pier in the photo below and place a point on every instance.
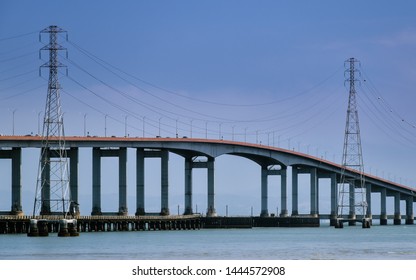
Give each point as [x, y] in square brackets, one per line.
[188, 185]
[352, 215]
[73, 180]
[295, 211]
[314, 192]
[369, 214]
[283, 200]
[409, 211]
[140, 201]
[211, 191]
[122, 177]
[397, 215]
[192, 162]
[141, 155]
[15, 154]
[96, 182]
[334, 199]
[272, 170]
[264, 189]
[383, 211]
[97, 154]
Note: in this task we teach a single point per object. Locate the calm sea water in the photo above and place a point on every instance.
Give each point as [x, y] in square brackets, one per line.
[379, 242]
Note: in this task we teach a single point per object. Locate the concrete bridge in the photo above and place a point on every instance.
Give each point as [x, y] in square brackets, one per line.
[272, 160]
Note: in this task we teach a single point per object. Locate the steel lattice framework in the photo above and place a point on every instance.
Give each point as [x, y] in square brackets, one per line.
[352, 192]
[52, 188]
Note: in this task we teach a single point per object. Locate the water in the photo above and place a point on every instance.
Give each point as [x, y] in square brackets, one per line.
[379, 242]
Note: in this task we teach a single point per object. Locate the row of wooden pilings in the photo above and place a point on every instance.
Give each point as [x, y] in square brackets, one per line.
[107, 225]
[16, 225]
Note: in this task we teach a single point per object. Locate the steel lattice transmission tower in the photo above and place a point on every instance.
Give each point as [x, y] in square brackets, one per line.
[352, 192]
[52, 188]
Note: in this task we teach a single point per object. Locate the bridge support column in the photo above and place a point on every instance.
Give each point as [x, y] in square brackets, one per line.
[352, 215]
[122, 178]
[73, 180]
[264, 188]
[266, 171]
[409, 211]
[369, 214]
[15, 154]
[190, 164]
[283, 191]
[334, 199]
[45, 178]
[165, 182]
[97, 154]
[383, 213]
[314, 192]
[295, 211]
[397, 215]
[140, 210]
[188, 186]
[96, 182]
[16, 208]
[211, 194]
[141, 154]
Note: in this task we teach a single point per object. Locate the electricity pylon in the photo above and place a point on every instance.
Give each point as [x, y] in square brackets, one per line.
[352, 191]
[52, 188]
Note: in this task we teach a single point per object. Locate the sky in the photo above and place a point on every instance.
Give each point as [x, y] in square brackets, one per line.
[269, 72]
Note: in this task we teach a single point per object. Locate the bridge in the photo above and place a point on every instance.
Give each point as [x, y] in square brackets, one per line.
[51, 199]
[201, 153]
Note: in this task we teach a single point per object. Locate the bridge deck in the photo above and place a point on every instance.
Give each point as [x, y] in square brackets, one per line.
[9, 141]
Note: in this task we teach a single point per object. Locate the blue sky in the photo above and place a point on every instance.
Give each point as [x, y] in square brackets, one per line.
[232, 69]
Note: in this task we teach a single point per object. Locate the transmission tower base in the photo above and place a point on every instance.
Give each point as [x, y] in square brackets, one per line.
[42, 227]
[366, 223]
[68, 227]
[38, 228]
[383, 220]
[339, 222]
[33, 228]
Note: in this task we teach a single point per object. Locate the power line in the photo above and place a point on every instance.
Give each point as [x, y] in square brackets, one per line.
[271, 102]
[135, 100]
[18, 75]
[21, 93]
[373, 90]
[17, 36]
[17, 57]
[318, 101]
[276, 116]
